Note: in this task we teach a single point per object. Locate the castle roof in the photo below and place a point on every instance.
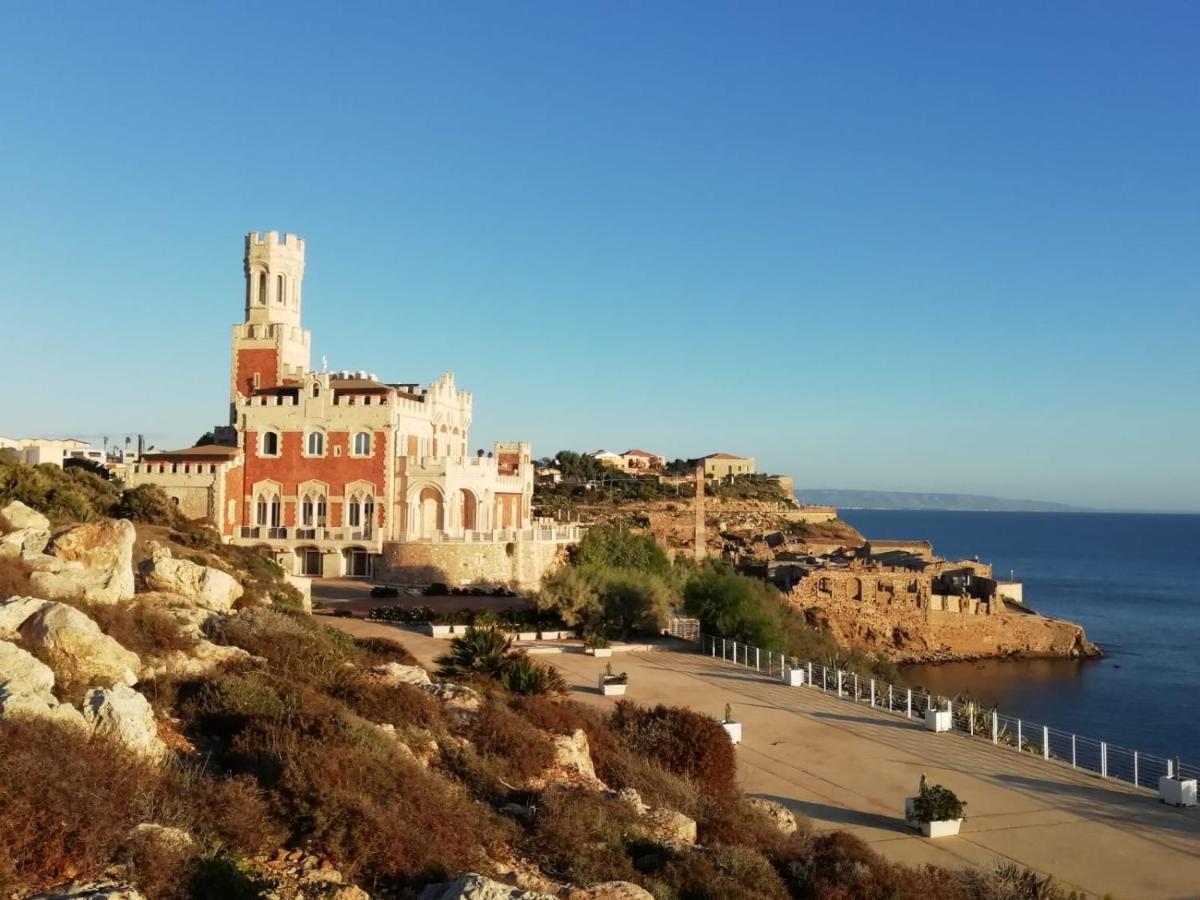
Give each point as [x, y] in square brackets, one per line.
[205, 451]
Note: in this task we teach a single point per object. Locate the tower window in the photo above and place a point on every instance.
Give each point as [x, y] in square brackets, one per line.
[270, 444]
[362, 444]
[262, 288]
[279, 289]
[316, 390]
[314, 444]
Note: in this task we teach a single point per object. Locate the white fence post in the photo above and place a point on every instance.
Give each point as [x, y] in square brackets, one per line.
[839, 685]
[1045, 742]
[971, 718]
[872, 691]
[756, 660]
[714, 648]
[1103, 760]
[809, 679]
[855, 687]
[995, 728]
[1020, 740]
[1072, 751]
[722, 648]
[1135, 768]
[910, 703]
[891, 705]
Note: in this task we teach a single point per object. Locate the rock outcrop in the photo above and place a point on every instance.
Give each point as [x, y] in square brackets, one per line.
[572, 763]
[95, 564]
[15, 611]
[473, 886]
[109, 890]
[204, 585]
[781, 817]
[396, 673]
[124, 714]
[611, 890]
[670, 827]
[75, 648]
[457, 697]
[25, 530]
[27, 689]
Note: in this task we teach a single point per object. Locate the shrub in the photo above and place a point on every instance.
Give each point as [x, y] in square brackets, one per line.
[479, 653]
[520, 748]
[383, 590]
[222, 878]
[522, 675]
[148, 503]
[401, 705]
[684, 742]
[935, 803]
[375, 651]
[574, 594]
[580, 836]
[66, 805]
[607, 547]
[140, 627]
[634, 601]
[726, 872]
[735, 606]
[294, 645]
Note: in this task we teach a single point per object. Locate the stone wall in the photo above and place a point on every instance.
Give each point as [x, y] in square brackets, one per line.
[516, 564]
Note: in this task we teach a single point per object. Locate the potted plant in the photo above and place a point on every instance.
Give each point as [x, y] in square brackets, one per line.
[793, 675]
[597, 646]
[1175, 789]
[732, 727]
[936, 811]
[937, 715]
[613, 684]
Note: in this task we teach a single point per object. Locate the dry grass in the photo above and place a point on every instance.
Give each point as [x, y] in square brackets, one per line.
[402, 705]
[684, 742]
[580, 836]
[376, 651]
[14, 577]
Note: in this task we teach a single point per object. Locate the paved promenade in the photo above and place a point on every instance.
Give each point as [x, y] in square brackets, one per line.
[849, 767]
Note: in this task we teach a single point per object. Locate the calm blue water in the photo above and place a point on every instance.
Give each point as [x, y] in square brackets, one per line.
[1132, 581]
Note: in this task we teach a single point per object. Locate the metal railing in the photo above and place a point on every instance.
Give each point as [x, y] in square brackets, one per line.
[1022, 735]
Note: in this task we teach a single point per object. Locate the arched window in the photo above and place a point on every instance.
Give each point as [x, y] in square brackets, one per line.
[270, 444]
[261, 511]
[368, 514]
[321, 511]
[353, 512]
[316, 390]
[262, 288]
[314, 444]
[306, 511]
[362, 444]
[279, 289]
[267, 512]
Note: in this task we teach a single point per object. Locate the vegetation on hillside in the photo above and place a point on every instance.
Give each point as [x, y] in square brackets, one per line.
[620, 583]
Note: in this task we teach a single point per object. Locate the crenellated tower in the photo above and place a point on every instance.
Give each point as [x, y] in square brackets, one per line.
[270, 347]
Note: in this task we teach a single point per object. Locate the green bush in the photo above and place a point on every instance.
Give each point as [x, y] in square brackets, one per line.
[935, 803]
[478, 653]
[735, 606]
[523, 675]
[148, 503]
[607, 547]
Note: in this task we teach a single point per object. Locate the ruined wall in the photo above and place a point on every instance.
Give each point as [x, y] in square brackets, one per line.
[516, 564]
[898, 615]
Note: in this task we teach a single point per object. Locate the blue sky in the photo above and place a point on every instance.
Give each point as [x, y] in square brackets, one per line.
[924, 246]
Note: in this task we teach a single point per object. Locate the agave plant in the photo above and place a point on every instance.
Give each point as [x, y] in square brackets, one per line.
[479, 652]
[522, 675]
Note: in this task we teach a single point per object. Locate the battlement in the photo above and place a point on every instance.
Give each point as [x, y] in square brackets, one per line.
[267, 239]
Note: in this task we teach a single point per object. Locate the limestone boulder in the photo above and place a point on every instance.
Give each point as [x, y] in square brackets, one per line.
[395, 673]
[612, 890]
[631, 798]
[781, 817]
[476, 887]
[25, 530]
[22, 674]
[94, 891]
[15, 611]
[670, 827]
[204, 585]
[105, 548]
[151, 838]
[572, 763]
[75, 647]
[457, 697]
[122, 713]
[203, 658]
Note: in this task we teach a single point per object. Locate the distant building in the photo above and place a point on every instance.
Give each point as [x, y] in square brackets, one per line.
[608, 458]
[548, 475]
[722, 465]
[35, 451]
[640, 459]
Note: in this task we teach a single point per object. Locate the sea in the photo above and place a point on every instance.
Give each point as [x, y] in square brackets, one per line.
[1133, 582]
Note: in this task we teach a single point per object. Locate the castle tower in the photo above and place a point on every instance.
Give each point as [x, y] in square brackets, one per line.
[270, 347]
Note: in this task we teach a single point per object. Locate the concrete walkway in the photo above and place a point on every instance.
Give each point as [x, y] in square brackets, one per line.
[849, 767]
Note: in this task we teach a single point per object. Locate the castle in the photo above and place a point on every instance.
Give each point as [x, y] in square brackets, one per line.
[338, 473]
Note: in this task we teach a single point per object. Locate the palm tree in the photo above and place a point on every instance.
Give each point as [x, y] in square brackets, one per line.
[479, 652]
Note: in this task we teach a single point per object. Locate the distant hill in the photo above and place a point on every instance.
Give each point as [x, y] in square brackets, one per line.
[910, 500]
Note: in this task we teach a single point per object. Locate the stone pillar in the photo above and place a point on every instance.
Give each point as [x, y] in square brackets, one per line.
[700, 548]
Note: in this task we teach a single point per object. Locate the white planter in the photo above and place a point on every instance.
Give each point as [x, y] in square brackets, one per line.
[1177, 791]
[943, 828]
[794, 678]
[527, 635]
[734, 730]
[612, 690]
[601, 652]
[937, 719]
[439, 631]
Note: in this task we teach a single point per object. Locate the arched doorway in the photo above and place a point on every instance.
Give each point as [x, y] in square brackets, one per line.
[432, 515]
[470, 507]
[358, 562]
